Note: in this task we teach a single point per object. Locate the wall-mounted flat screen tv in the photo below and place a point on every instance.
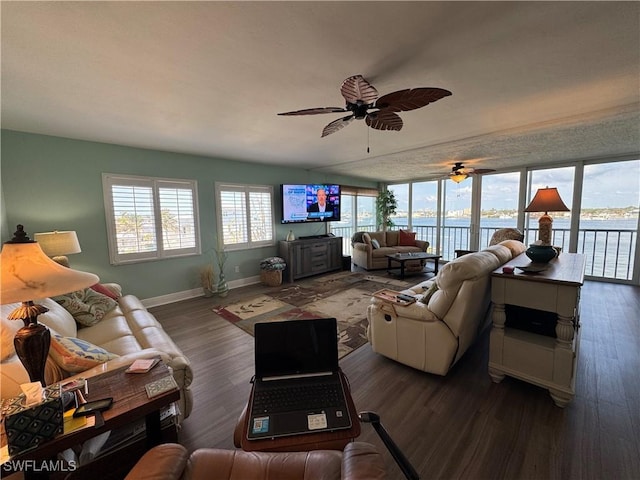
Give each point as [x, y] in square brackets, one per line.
[311, 202]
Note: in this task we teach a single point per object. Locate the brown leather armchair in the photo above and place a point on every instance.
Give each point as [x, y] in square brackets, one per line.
[358, 460]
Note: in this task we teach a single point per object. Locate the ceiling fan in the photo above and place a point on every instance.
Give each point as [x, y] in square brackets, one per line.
[459, 172]
[379, 113]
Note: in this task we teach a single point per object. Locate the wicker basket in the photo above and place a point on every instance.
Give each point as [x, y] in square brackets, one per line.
[271, 278]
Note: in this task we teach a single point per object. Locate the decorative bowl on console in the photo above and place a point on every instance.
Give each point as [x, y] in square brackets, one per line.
[541, 253]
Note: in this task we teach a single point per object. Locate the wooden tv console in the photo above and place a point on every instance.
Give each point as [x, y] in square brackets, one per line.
[310, 256]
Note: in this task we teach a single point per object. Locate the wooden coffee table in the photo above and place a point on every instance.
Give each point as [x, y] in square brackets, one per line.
[403, 258]
[130, 404]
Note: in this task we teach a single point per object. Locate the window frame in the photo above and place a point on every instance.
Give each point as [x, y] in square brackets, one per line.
[155, 184]
[247, 189]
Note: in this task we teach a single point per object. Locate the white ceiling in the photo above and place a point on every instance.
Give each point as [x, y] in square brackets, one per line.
[532, 82]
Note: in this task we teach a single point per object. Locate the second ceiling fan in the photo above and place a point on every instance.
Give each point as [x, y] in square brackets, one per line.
[459, 172]
[379, 113]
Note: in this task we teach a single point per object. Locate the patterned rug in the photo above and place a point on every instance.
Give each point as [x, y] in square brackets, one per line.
[343, 295]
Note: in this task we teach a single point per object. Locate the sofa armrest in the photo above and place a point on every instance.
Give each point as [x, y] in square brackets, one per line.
[415, 311]
[121, 361]
[364, 247]
[361, 460]
[361, 254]
[166, 461]
[423, 245]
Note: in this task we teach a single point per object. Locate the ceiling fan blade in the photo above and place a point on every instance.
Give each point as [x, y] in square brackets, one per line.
[459, 168]
[315, 111]
[384, 120]
[336, 125]
[410, 99]
[356, 89]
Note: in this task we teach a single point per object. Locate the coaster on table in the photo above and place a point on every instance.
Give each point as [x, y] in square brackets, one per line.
[142, 365]
[165, 384]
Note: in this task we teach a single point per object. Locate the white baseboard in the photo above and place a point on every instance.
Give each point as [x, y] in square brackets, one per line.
[194, 293]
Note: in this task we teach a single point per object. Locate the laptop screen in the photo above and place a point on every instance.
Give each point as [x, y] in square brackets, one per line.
[296, 347]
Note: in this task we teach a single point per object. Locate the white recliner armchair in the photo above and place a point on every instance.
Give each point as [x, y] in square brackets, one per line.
[433, 336]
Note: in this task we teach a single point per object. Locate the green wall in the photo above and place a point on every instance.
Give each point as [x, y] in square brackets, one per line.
[52, 183]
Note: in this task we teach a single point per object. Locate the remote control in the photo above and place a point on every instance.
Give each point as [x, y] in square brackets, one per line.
[406, 298]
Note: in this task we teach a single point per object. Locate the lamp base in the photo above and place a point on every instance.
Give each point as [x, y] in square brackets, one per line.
[32, 346]
[545, 223]
[32, 341]
[541, 253]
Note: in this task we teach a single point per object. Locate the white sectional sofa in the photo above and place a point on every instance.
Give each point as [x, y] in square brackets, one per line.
[433, 336]
[128, 332]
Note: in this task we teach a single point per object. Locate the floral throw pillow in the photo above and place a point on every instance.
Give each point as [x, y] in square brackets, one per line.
[87, 306]
[75, 355]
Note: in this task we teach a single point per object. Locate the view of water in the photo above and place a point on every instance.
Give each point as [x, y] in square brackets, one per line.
[608, 244]
[558, 223]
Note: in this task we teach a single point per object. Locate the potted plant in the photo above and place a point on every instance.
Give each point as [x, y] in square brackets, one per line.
[271, 271]
[386, 205]
[207, 274]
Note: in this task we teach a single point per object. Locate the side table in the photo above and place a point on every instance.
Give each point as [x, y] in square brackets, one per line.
[130, 404]
[530, 354]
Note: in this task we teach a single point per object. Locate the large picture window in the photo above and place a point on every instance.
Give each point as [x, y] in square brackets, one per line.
[150, 218]
[245, 215]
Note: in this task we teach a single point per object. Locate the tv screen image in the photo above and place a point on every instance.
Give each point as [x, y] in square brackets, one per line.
[312, 202]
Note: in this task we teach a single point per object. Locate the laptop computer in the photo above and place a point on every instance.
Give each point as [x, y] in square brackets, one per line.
[297, 387]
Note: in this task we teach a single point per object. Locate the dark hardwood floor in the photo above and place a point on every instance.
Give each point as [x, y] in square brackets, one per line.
[458, 426]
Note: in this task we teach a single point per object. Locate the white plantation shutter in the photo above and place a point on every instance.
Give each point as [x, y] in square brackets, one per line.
[178, 218]
[150, 218]
[234, 217]
[135, 224]
[245, 215]
[261, 224]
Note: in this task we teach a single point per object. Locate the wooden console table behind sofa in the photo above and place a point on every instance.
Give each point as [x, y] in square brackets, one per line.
[536, 325]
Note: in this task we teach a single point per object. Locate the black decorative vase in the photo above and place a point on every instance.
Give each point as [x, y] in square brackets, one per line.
[32, 346]
[541, 253]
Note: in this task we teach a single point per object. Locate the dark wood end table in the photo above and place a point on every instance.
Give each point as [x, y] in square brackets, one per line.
[130, 404]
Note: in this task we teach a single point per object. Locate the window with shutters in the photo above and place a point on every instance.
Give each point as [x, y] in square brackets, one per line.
[150, 218]
[245, 215]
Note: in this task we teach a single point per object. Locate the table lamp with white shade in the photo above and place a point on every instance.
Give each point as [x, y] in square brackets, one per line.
[26, 273]
[58, 245]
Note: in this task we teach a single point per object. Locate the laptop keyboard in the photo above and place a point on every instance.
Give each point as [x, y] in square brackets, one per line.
[300, 397]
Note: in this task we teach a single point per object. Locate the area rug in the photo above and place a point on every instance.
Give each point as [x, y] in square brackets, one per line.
[343, 295]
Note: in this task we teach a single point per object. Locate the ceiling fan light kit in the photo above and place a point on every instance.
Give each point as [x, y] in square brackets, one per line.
[460, 173]
[458, 177]
[361, 97]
